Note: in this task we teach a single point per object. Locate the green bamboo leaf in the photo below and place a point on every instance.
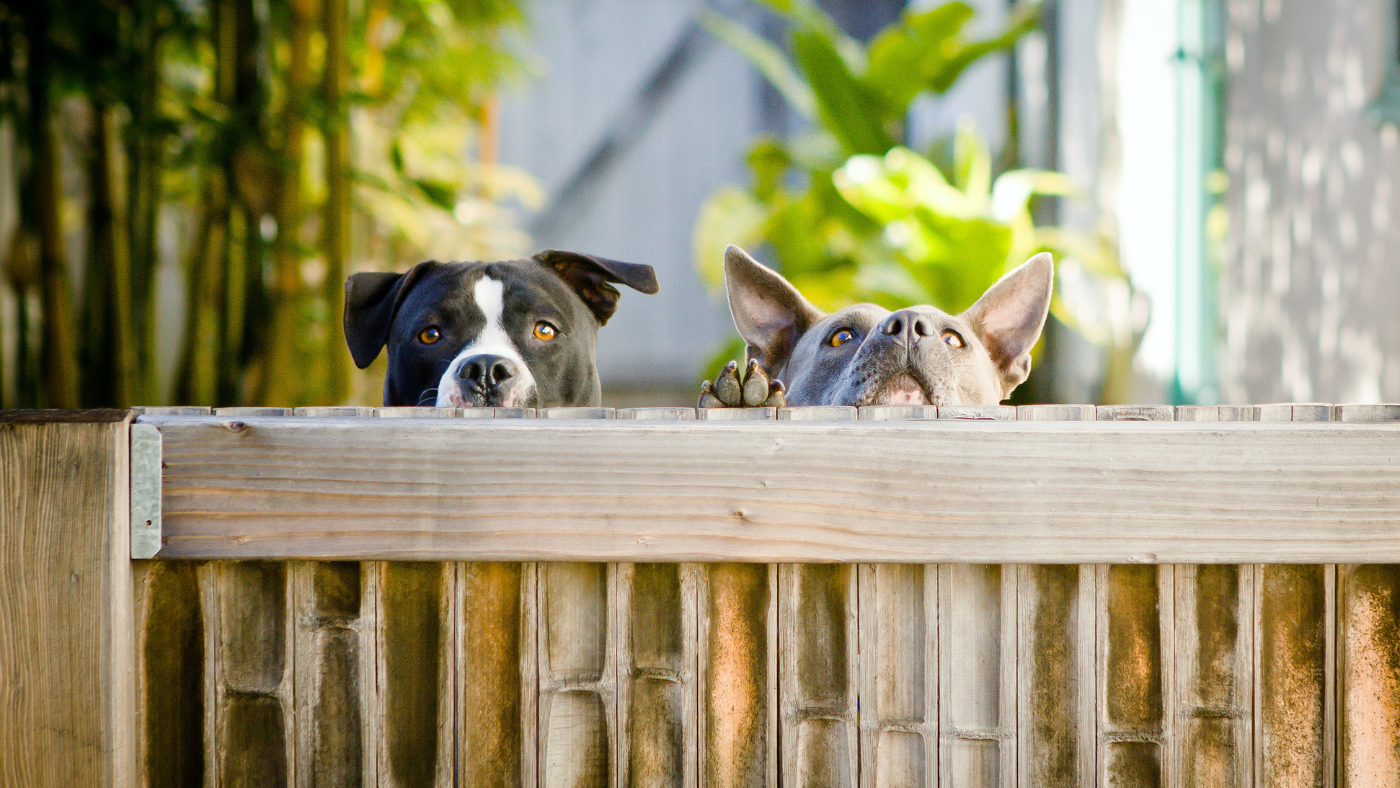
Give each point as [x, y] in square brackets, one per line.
[854, 115]
[810, 17]
[904, 55]
[941, 76]
[768, 59]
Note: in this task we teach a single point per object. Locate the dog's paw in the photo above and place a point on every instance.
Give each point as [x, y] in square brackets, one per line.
[751, 389]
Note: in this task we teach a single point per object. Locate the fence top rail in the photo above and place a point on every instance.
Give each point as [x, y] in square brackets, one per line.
[660, 486]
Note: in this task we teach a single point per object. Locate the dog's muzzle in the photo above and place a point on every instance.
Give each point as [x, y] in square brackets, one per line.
[487, 381]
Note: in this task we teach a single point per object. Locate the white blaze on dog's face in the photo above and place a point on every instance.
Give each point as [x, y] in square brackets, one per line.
[490, 359]
[868, 355]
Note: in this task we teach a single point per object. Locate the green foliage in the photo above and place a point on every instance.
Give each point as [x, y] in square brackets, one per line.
[851, 216]
[229, 153]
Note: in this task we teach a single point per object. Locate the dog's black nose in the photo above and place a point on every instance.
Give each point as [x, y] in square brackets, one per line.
[907, 326]
[486, 372]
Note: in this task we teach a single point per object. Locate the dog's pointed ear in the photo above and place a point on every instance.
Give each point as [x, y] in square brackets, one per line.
[1009, 317]
[768, 311]
[589, 277]
[371, 299]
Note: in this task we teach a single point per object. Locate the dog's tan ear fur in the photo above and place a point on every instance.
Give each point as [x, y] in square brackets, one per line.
[1009, 317]
[768, 311]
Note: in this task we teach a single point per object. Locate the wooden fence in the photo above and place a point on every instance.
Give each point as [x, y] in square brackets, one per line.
[1055, 596]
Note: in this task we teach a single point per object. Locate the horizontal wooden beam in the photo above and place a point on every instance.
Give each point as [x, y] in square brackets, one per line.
[776, 491]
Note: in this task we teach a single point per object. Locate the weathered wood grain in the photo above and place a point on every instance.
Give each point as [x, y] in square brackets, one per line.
[818, 678]
[336, 690]
[738, 676]
[1056, 668]
[170, 641]
[818, 413]
[67, 695]
[249, 673]
[1292, 707]
[656, 414]
[415, 611]
[1062, 492]
[497, 680]
[1135, 413]
[1369, 675]
[1135, 637]
[1056, 413]
[1214, 669]
[1296, 657]
[578, 676]
[657, 713]
[1368, 656]
[898, 676]
[978, 412]
[897, 412]
[737, 414]
[977, 675]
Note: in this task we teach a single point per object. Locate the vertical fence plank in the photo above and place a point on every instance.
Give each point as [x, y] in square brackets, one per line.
[66, 633]
[578, 676]
[1214, 657]
[898, 676]
[1369, 696]
[415, 661]
[1135, 640]
[170, 674]
[818, 680]
[1056, 729]
[977, 675]
[249, 673]
[738, 676]
[496, 677]
[1295, 658]
[656, 697]
[334, 670]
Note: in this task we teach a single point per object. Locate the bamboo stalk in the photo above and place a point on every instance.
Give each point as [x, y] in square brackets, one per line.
[109, 363]
[58, 359]
[337, 208]
[280, 378]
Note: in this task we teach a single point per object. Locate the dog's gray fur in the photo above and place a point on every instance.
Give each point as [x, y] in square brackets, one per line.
[919, 355]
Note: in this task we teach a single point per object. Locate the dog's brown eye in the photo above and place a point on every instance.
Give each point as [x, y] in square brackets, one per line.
[429, 335]
[544, 332]
[953, 338]
[841, 337]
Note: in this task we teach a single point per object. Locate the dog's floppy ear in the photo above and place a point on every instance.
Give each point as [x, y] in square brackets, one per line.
[371, 300]
[1009, 317]
[589, 277]
[768, 311]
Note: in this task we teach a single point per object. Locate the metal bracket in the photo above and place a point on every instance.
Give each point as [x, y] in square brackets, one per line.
[145, 490]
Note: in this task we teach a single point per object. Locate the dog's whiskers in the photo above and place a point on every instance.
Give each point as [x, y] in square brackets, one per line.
[430, 394]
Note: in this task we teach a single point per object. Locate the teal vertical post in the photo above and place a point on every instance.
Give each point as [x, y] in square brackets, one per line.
[1200, 93]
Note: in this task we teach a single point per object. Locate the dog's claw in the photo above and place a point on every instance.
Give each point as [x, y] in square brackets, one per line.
[777, 395]
[751, 388]
[755, 385]
[707, 396]
[727, 387]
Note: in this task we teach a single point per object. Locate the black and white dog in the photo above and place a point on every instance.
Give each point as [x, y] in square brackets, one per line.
[515, 333]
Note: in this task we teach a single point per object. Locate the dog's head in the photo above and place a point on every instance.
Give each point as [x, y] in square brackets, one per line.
[514, 333]
[867, 355]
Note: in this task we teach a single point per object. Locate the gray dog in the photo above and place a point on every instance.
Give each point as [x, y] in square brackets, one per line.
[867, 355]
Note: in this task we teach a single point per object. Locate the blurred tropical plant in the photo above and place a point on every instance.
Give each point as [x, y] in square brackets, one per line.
[850, 215]
[270, 147]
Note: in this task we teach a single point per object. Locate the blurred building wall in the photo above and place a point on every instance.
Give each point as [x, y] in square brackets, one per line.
[1312, 288]
[637, 115]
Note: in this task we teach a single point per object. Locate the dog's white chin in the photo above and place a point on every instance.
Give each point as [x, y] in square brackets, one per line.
[902, 390]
